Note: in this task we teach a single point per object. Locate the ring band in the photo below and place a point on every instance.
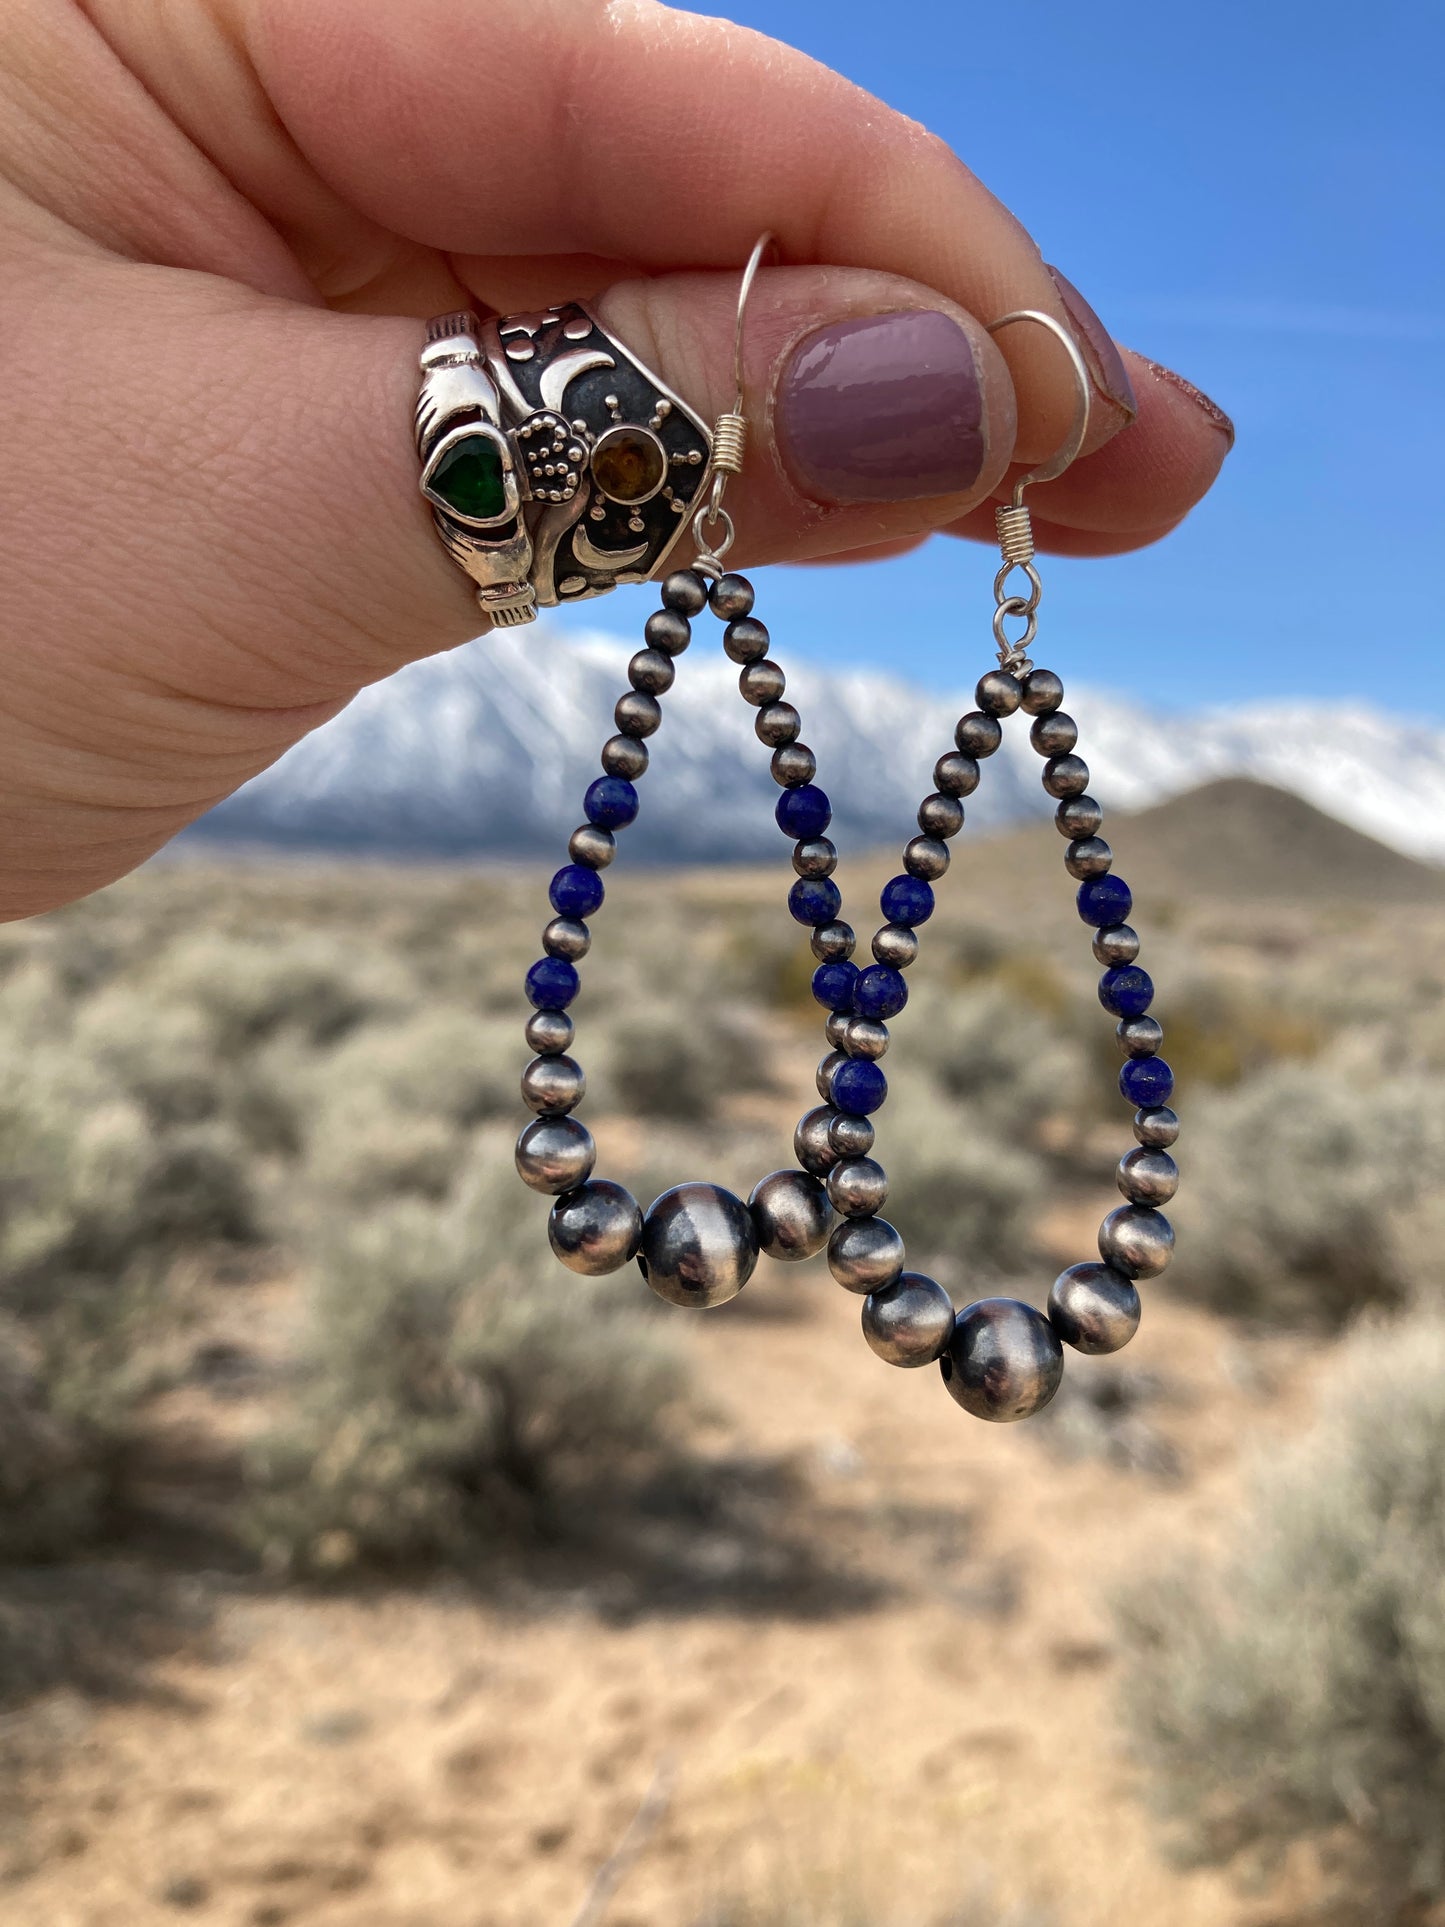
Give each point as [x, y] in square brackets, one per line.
[557, 466]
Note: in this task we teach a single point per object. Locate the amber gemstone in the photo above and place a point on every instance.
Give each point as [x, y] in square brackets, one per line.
[629, 464]
[469, 478]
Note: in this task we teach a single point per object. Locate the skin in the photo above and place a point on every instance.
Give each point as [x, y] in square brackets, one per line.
[220, 221]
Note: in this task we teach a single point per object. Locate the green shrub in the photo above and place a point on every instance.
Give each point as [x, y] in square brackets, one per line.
[1002, 1057]
[961, 1194]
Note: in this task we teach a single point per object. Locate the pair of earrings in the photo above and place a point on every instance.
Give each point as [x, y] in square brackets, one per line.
[698, 1244]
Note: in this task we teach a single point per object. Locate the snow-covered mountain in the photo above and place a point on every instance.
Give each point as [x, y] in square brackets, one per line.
[487, 751]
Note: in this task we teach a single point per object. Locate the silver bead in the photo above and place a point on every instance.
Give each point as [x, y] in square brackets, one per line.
[555, 1154]
[1066, 776]
[956, 774]
[822, 1077]
[925, 856]
[1088, 856]
[731, 596]
[596, 1228]
[651, 671]
[596, 848]
[895, 945]
[1054, 734]
[857, 1187]
[864, 1037]
[777, 723]
[811, 1145]
[1118, 944]
[567, 937]
[1156, 1127]
[1137, 1241]
[1078, 816]
[836, 1028]
[1042, 692]
[833, 942]
[624, 756]
[669, 631]
[636, 714]
[553, 1085]
[1003, 1360]
[864, 1253]
[998, 693]
[746, 640]
[686, 591]
[791, 1215]
[850, 1136]
[1144, 1176]
[1094, 1308]
[549, 1031]
[793, 764]
[909, 1322]
[940, 815]
[699, 1246]
[762, 682]
[1139, 1036]
[977, 735]
[815, 856]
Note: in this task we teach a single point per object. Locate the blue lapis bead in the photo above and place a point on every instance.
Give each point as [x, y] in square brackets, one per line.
[575, 891]
[833, 985]
[815, 900]
[858, 1085]
[1146, 1082]
[880, 992]
[804, 812]
[907, 900]
[610, 803]
[1104, 900]
[1126, 991]
[552, 983]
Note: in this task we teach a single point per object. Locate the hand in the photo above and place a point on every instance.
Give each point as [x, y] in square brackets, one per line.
[220, 220]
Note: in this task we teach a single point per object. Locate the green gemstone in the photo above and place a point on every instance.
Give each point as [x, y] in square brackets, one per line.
[470, 478]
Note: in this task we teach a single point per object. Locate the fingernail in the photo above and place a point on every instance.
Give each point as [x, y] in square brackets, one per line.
[1096, 344]
[887, 408]
[1210, 409]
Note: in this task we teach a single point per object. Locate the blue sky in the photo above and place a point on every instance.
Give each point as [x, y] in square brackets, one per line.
[1256, 195]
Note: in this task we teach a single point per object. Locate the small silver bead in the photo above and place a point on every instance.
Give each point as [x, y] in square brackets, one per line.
[940, 815]
[822, 1077]
[746, 640]
[1066, 776]
[925, 856]
[686, 591]
[850, 1136]
[857, 1187]
[651, 671]
[1088, 856]
[567, 937]
[636, 714]
[977, 735]
[864, 1037]
[895, 945]
[836, 1027]
[791, 1215]
[762, 682]
[624, 756]
[1042, 692]
[596, 848]
[731, 596]
[998, 693]
[1137, 1241]
[1078, 816]
[833, 942]
[1148, 1177]
[1054, 734]
[1156, 1127]
[550, 1031]
[1094, 1308]
[864, 1253]
[815, 856]
[1139, 1036]
[792, 765]
[555, 1154]
[553, 1085]
[699, 1246]
[1118, 943]
[811, 1144]
[1003, 1361]
[595, 1229]
[777, 723]
[909, 1322]
[668, 631]
[956, 774]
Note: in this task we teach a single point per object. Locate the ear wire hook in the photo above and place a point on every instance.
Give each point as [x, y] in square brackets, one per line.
[1063, 458]
[729, 436]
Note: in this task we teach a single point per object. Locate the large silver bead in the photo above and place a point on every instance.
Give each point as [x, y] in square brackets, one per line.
[793, 765]
[977, 735]
[669, 628]
[1054, 734]
[908, 1322]
[592, 846]
[1157, 1127]
[684, 590]
[555, 1154]
[940, 815]
[549, 1031]
[1042, 692]
[762, 682]
[746, 640]
[637, 714]
[895, 945]
[1066, 776]
[1088, 856]
[1148, 1177]
[1094, 1308]
[998, 692]
[833, 942]
[553, 1085]
[1137, 1241]
[850, 1136]
[835, 1028]
[731, 596]
[811, 1145]
[865, 1037]
[858, 1187]
[1139, 1036]
[777, 723]
[567, 937]
[624, 756]
[791, 1215]
[926, 857]
[1078, 816]
[699, 1245]
[957, 774]
[815, 856]
[1117, 944]
[823, 1076]
[652, 671]
[596, 1228]
[1003, 1360]
[864, 1253]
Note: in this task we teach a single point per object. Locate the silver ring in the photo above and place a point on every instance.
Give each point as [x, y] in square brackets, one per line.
[557, 466]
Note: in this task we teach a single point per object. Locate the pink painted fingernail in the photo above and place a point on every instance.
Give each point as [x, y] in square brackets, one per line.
[1096, 344]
